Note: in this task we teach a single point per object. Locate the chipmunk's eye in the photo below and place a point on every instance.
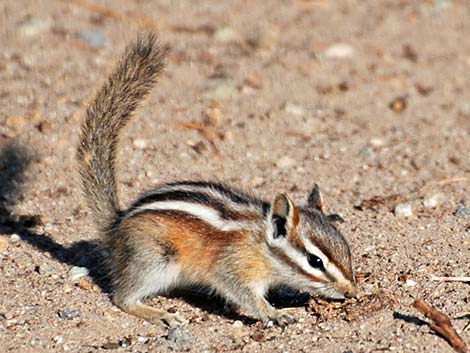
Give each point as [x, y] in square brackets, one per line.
[315, 262]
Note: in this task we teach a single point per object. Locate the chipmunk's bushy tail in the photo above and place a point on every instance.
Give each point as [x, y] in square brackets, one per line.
[106, 115]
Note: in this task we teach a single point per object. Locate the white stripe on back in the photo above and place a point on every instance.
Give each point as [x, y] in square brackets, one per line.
[204, 213]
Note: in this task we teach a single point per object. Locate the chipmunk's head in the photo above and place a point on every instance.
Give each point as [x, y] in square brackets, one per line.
[307, 241]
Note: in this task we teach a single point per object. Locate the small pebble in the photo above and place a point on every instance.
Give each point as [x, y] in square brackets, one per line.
[14, 238]
[33, 26]
[93, 38]
[339, 51]
[226, 35]
[293, 109]
[68, 314]
[85, 284]
[44, 126]
[237, 324]
[366, 153]
[77, 272]
[403, 210]
[45, 269]
[285, 162]
[462, 211]
[398, 104]
[377, 142]
[180, 336]
[110, 345]
[140, 144]
[410, 283]
[58, 339]
[15, 121]
[434, 200]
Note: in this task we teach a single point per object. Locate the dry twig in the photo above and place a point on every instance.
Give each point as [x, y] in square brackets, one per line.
[444, 182]
[451, 279]
[441, 324]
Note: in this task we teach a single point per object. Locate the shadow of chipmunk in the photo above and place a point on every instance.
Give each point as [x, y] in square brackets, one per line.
[14, 160]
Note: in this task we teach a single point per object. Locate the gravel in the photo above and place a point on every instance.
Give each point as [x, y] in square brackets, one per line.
[434, 200]
[462, 211]
[339, 51]
[404, 210]
[68, 314]
[95, 39]
[179, 335]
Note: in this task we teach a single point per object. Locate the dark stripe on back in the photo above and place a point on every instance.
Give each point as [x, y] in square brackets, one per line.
[187, 196]
[191, 197]
[232, 194]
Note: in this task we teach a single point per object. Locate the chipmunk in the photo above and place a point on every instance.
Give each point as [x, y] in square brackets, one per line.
[197, 233]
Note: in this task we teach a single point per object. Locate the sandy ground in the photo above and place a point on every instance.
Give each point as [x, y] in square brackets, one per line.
[371, 100]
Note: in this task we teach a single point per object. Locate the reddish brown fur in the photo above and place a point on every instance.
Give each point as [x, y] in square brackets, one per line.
[197, 245]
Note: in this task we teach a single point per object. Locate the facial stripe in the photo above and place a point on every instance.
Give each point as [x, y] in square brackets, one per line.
[207, 214]
[331, 268]
[293, 264]
[313, 249]
[299, 258]
[332, 259]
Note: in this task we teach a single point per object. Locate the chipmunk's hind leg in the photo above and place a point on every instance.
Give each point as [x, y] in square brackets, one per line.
[145, 270]
[128, 295]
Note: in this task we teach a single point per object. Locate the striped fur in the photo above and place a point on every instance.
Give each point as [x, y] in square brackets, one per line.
[209, 201]
[227, 210]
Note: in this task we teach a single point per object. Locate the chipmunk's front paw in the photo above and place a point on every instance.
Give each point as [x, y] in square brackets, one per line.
[284, 320]
[280, 319]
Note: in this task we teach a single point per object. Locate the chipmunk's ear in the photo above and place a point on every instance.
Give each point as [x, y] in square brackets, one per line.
[315, 199]
[284, 216]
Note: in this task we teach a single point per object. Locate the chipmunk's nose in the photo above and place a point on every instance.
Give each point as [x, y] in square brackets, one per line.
[351, 292]
[349, 289]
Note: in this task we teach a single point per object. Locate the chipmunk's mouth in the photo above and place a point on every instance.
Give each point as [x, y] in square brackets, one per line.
[328, 292]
